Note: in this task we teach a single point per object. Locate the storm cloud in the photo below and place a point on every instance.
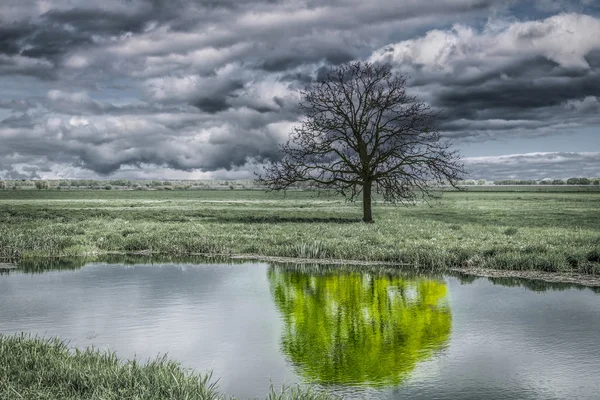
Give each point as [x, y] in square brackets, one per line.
[208, 88]
[536, 165]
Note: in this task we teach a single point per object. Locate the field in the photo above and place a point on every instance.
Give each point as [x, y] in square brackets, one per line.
[540, 231]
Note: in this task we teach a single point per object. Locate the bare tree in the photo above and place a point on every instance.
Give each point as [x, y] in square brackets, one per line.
[361, 130]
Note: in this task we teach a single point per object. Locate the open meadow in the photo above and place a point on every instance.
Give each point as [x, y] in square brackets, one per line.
[538, 231]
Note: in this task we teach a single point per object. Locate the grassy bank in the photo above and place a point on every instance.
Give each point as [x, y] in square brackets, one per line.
[34, 368]
[552, 232]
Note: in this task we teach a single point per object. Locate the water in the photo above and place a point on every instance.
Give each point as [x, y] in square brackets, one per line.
[358, 334]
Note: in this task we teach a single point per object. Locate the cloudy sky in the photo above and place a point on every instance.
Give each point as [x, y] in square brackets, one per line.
[196, 89]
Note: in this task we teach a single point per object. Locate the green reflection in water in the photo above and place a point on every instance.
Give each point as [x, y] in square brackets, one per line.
[359, 328]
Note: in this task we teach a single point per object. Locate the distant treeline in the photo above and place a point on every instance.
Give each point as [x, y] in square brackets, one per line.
[128, 184]
[121, 184]
[570, 181]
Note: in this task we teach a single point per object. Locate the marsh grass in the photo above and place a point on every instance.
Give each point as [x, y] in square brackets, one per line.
[298, 393]
[552, 232]
[313, 249]
[37, 368]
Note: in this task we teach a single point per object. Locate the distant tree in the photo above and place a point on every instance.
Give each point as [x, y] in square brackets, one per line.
[578, 181]
[362, 130]
[41, 185]
[482, 182]
[515, 182]
[2, 185]
[120, 182]
[558, 182]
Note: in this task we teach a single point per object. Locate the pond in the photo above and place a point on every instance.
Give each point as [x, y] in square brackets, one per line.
[356, 332]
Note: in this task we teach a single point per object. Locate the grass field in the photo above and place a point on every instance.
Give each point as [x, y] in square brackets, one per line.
[545, 231]
[34, 368]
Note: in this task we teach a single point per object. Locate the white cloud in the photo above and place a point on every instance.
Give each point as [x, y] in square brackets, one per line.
[564, 39]
[588, 105]
[77, 62]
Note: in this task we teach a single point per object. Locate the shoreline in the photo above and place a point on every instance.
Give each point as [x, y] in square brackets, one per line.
[575, 278]
[551, 277]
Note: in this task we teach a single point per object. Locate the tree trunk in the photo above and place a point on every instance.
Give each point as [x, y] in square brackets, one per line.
[367, 213]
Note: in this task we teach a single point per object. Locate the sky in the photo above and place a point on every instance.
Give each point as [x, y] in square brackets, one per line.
[208, 89]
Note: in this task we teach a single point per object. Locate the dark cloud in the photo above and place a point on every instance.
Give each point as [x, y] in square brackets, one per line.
[211, 105]
[12, 35]
[87, 22]
[18, 121]
[206, 85]
[520, 94]
[293, 56]
[58, 32]
[218, 98]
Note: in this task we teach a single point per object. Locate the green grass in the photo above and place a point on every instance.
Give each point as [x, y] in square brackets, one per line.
[555, 232]
[36, 368]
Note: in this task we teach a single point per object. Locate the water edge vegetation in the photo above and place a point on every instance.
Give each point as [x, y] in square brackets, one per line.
[524, 231]
[37, 368]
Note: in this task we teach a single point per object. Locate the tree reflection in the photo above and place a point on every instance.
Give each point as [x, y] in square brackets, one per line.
[359, 328]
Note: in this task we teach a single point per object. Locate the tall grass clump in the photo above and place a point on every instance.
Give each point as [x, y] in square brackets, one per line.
[35, 368]
[314, 250]
[297, 393]
[38, 368]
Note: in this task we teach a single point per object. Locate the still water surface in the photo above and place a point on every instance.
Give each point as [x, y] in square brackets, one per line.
[357, 334]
